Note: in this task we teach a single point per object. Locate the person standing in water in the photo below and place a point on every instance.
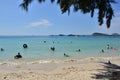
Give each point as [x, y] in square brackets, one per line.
[108, 46]
[18, 56]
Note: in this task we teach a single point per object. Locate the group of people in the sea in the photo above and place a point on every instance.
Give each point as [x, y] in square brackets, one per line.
[65, 55]
[18, 56]
[109, 48]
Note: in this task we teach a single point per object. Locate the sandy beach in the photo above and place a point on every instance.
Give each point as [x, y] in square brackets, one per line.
[60, 40]
[69, 69]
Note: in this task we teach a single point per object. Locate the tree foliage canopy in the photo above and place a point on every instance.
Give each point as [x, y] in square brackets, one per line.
[85, 6]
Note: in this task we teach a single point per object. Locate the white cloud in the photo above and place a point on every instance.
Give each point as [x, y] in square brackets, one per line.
[41, 23]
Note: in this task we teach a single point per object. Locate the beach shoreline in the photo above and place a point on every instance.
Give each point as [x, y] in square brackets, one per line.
[68, 69]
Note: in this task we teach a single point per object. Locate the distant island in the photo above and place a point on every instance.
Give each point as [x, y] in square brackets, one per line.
[99, 34]
[69, 35]
[94, 34]
[103, 34]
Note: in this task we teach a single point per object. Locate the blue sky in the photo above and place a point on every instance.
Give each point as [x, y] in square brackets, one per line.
[46, 19]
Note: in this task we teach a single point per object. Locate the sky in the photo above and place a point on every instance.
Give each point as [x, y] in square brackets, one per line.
[47, 19]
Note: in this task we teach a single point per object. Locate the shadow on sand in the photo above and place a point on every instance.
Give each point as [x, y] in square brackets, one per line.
[111, 72]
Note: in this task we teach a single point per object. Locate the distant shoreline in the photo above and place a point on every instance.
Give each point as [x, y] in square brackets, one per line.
[93, 34]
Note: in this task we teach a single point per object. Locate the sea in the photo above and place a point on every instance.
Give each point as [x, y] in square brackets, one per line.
[39, 47]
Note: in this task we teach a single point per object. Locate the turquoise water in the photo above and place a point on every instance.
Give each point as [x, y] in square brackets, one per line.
[90, 46]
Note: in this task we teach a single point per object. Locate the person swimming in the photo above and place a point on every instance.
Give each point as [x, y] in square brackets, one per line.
[2, 49]
[108, 46]
[78, 50]
[25, 46]
[114, 49]
[66, 55]
[52, 48]
[44, 41]
[18, 56]
[102, 51]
